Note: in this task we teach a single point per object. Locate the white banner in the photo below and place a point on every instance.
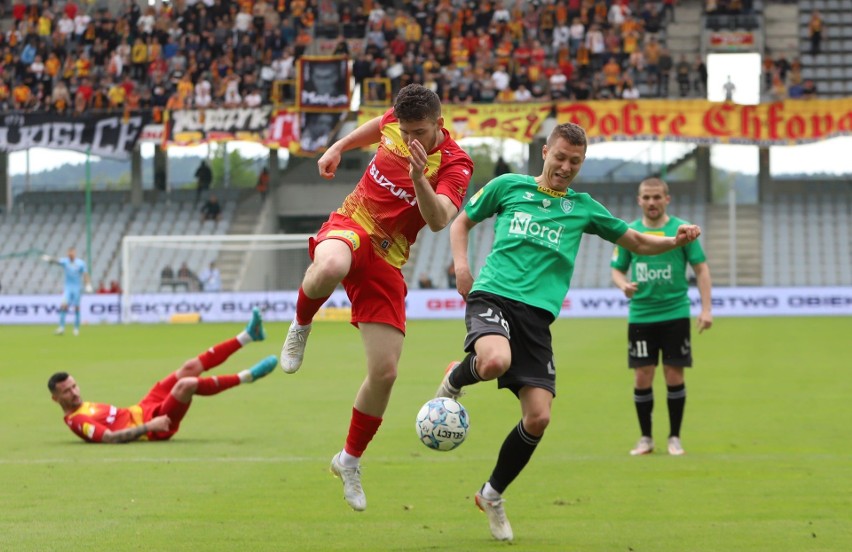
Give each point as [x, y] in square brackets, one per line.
[610, 302]
[280, 306]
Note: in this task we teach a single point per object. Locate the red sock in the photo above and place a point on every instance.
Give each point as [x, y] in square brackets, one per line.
[217, 354]
[216, 384]
[362, 428]
[175, 410]
[306, 307]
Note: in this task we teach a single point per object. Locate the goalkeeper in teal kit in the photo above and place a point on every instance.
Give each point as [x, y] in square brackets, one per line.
[659, 313]
[520, 290]
[76, 276]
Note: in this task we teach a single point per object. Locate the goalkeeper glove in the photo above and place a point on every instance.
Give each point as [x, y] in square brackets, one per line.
[46, 258]
[89, 288]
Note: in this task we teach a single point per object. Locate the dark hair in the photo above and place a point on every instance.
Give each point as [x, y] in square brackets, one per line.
[415, 102]
[570, 132]
[56, 379]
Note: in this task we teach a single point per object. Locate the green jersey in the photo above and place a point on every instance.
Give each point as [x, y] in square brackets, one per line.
[661, 294]
[536, 237]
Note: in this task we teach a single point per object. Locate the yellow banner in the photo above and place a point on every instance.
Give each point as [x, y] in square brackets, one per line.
[703, 122]
[518, 121]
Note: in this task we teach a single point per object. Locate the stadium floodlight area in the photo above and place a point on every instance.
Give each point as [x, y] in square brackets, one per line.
[246, 262]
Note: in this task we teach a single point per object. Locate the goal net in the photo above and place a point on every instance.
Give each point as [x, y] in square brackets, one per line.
[177, 264]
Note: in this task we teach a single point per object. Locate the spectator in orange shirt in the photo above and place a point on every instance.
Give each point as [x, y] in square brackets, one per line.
[175, 101]
[22, 96]
[52, 65]
[612, 76]
[583, 62]
[83, 65]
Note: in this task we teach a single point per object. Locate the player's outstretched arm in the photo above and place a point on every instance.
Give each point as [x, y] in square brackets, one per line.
[49, 259]
[646, 244]
[160, 423]
[365, 135]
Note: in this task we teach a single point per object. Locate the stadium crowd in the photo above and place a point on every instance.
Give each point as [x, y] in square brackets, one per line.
[69, 57]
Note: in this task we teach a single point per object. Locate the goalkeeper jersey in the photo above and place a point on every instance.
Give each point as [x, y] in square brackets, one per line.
[74, 271]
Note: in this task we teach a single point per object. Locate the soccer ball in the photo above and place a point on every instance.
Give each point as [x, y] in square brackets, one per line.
[442, 424]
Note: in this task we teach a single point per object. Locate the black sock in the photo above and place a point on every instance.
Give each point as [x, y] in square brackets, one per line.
[644, 399]
[465, 372]
[514, 455]
[677, 401]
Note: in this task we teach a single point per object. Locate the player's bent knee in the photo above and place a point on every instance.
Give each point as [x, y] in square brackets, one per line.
[385, 377]
[332, 269]
[536, 423]
[191, 368]
[185, 388]
[492, 367]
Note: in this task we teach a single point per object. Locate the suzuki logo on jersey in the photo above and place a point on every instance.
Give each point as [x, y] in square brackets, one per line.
[401, 193]
[645, 273]
[548, 232]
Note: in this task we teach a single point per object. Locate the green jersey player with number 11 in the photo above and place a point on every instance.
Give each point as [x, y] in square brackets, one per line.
[659, 313]
[520, 290]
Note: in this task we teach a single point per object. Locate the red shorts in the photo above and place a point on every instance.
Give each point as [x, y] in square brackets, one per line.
[375, 288]
[153, 402]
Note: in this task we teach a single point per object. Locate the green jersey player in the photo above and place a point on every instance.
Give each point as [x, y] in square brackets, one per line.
[659, 312]
[520, 291]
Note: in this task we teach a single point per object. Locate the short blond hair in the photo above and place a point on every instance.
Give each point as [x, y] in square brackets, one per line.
[655, 182]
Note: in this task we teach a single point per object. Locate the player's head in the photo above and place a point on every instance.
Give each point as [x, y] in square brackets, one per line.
[64, 390]
[563, 156]
[418, 110]
[653, 198]
[72, 253]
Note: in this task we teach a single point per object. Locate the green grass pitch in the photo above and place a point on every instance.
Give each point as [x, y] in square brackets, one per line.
[767, 433]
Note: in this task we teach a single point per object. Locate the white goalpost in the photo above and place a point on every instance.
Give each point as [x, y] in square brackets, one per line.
[246, 263]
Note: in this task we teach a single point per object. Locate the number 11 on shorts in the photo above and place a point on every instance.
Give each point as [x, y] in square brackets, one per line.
[640, 349]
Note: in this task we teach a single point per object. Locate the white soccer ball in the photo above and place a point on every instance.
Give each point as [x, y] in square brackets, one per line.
[442, 424]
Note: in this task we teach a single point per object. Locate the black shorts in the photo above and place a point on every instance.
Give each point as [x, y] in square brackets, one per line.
[528, 330]
[645, 341]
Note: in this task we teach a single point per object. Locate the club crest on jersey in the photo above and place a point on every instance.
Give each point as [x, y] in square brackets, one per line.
[398, 148]
[348, 235]
[545, 203]
[567, 205]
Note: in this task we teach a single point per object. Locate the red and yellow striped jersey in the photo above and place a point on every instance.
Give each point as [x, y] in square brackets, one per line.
[92, 420]
[384, 202]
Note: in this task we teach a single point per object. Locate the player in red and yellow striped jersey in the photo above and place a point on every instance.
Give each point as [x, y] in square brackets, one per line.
[418, 177]
[158, 415]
